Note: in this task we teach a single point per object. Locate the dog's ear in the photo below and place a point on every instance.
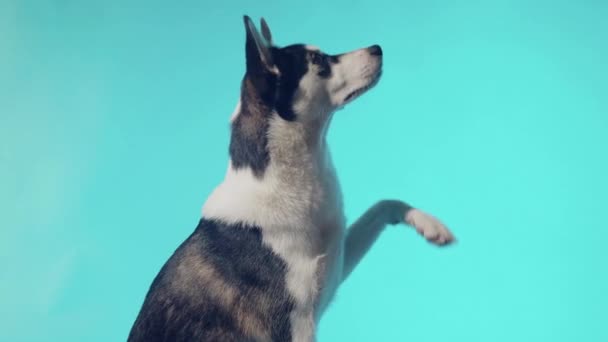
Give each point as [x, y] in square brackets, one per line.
[257, 48]
[266, 31]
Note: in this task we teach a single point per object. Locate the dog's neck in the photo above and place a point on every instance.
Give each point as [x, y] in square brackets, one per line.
[297, 179]
[296, 143]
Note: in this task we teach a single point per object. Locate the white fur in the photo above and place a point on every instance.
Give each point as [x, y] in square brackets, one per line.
[428, 226]
[356, 70]
[236, 112]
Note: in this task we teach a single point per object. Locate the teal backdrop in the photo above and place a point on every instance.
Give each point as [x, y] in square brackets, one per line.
[492, 115]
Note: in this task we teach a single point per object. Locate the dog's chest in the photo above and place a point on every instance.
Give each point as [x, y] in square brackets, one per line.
[311, 246]
[301, 218]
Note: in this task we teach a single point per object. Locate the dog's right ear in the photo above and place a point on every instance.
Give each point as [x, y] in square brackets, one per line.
[259, 57]
[266, 31]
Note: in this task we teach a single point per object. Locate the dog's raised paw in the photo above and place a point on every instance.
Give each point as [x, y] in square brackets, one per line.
[430, 227]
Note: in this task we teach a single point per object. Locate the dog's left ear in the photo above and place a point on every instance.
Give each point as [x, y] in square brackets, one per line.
[259, 57]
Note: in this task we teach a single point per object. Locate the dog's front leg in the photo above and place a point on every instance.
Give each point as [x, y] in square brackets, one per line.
[362, 234]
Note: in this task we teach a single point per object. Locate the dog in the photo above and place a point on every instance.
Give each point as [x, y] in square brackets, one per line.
[272, 245]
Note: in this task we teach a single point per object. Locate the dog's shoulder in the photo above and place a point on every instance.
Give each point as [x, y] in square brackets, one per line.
[222, 283]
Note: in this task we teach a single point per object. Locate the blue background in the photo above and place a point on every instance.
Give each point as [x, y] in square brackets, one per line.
[491, 115]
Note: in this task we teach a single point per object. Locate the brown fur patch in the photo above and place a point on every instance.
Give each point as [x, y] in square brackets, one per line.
[195, 271]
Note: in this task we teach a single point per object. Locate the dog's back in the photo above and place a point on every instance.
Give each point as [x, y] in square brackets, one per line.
[221, 284]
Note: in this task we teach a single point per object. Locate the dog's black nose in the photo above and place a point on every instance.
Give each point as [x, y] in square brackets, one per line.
[375, 50]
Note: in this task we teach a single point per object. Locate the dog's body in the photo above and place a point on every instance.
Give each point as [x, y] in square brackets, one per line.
[272, 245]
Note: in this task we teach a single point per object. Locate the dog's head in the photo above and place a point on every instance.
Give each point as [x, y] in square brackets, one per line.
[302, 83]
[288, 95]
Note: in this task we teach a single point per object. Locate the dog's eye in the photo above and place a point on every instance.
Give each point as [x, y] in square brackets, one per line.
[316, 58]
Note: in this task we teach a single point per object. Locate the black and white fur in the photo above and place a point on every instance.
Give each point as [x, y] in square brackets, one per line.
[272, 246]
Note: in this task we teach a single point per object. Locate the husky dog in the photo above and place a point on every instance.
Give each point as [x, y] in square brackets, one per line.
[272, 245]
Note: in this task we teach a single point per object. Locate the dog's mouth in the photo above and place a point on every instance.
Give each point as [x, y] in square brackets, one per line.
[357, 92]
